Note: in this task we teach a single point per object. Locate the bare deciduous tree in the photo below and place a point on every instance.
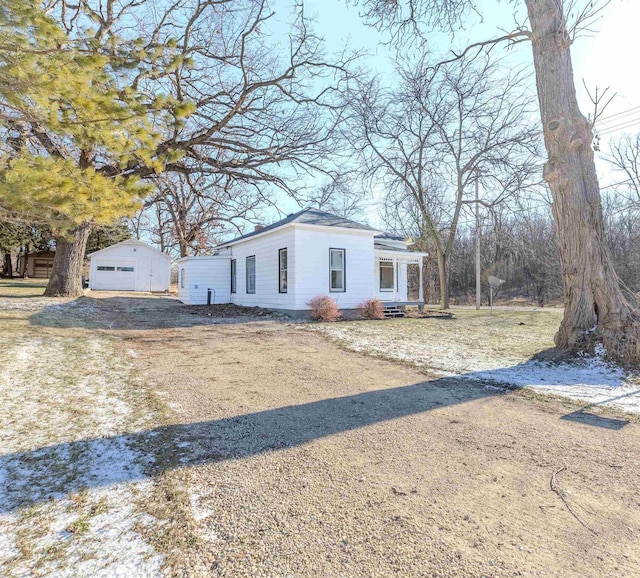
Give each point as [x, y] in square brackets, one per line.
[430, 139]
[625, 159]
[189, 212]
[245, 102]
[341, 195]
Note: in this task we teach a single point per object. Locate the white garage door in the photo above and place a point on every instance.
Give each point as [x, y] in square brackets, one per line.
[114, 276]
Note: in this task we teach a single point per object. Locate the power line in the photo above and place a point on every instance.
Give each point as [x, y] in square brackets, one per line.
[610, 130]
[606, 119]
[617, 184]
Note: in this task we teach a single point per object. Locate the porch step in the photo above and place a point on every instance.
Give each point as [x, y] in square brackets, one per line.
[392, 311]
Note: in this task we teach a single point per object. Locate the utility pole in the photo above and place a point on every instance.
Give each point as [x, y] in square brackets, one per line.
[478, 288]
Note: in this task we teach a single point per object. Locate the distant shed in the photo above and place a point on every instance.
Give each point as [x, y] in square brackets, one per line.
[130, 266]
[36, 265]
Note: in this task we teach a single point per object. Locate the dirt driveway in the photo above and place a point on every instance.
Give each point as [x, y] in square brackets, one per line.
[302, 459]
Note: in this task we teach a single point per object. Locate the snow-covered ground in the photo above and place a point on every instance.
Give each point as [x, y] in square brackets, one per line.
[591, 379]
[71, 480]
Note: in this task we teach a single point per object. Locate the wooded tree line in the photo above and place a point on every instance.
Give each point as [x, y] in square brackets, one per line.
[520, 247]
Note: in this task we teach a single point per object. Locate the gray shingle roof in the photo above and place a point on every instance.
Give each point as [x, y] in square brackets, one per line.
[307, 216]
[385, 247]
[390, 236]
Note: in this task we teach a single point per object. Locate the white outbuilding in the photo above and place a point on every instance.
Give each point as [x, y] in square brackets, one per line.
[130, 266]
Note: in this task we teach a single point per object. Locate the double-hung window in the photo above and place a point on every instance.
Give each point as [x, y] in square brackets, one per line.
[337, 275]
[251, 274]
[233, 275]
[386, 276]
[282, 270]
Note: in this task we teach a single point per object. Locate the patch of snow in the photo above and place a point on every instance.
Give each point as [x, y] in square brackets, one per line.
[591, 378]
[588, 379]
[71, 478]
[198, 511]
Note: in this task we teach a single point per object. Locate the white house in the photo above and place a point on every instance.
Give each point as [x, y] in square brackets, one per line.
[129, 266]
[309, 253]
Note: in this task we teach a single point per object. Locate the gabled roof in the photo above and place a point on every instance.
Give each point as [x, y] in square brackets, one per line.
[307, 216]
[130, 242]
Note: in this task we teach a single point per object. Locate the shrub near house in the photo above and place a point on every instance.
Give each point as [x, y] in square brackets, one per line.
[323, 308]
[371, 309]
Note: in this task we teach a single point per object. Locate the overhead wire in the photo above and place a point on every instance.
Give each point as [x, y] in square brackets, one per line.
[606, 119]
[618, 121]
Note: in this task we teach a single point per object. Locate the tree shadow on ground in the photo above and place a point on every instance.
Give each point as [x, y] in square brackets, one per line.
[584, 417]
[51, 472]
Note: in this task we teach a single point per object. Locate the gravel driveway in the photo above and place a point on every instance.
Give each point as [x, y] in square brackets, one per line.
[298, 458]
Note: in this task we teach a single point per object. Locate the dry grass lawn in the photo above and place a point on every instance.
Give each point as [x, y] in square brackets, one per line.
[473, 340]
[22, 288]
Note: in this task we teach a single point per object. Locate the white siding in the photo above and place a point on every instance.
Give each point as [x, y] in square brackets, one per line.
[308, 269]
[202, 274]
[312, 265]
[266, 249]
[152, 270]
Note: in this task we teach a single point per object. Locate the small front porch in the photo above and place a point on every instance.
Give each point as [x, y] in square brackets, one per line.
[398, 277]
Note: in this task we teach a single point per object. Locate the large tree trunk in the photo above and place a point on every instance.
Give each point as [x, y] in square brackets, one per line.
[442, 276]
[8, 265]
[66, 273]
[596, 310]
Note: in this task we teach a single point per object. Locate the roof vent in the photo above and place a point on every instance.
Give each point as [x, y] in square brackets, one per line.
[258, 228]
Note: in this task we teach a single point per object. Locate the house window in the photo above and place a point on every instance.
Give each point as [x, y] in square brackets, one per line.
[126, 269]
[105, 268]
[251, 274]
[182, 278]
[233, 275]
[386, 276]
[282, 267]
[337, 282]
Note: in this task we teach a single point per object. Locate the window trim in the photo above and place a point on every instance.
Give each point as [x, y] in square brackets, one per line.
[280, 289]
[393, 276]
[234, 276]
[344, 270]
[246, 274]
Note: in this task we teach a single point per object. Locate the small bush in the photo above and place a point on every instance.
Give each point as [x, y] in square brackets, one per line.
[371, 309]
[323, 308]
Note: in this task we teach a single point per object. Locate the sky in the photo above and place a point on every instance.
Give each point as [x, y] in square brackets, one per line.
[605, 57]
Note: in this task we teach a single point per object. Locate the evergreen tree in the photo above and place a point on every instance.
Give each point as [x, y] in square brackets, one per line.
[71, 124]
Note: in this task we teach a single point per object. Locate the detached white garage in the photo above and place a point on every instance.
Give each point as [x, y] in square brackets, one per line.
[130, 266]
